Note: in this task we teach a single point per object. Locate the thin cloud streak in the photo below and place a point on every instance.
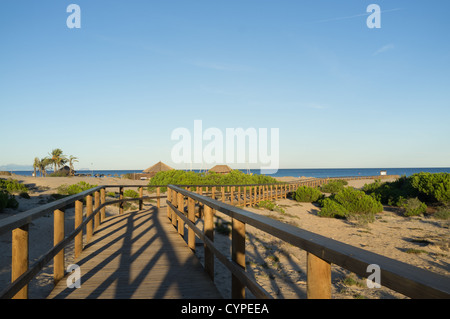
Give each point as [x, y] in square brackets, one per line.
[384, 49]
[354, 16]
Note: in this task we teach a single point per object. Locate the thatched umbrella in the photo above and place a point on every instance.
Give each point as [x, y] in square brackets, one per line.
[158, 167]
[221, 169]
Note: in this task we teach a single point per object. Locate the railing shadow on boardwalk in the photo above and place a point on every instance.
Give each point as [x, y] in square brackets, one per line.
[144, 230]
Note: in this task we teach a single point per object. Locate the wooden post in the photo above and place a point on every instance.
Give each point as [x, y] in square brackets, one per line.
[89, 227]
[180, 203]
[78, 221]
[174, 202]
[19, 258]
[231, 195]
[238, 256]
[58, 236]
[169, 198]
[191, 216]
[245, 196]
[141, 194]
[213, 194]
[96, 206]
[222, 188]
[318, 278]
[102, 201]
[121, 203]
[158, 203]
[209, 232]
[239, 196]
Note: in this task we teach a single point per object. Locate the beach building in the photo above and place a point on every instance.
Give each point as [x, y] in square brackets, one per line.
[221, 169]
[152, 170]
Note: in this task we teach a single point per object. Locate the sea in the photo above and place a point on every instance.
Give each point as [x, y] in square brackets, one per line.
[294, 172]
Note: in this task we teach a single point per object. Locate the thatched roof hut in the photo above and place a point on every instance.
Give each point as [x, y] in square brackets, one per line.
[158, 167]
[221, 169]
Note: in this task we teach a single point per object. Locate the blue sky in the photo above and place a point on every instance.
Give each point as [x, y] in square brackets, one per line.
[111, 92]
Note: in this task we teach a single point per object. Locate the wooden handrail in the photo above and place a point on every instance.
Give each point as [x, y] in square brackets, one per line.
[22, 274]
[409, 280]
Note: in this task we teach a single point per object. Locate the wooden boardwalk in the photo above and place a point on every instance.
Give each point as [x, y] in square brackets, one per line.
[138, 255]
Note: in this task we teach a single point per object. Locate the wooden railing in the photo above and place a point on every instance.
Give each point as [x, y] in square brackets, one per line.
[321, 251]
[18, 225]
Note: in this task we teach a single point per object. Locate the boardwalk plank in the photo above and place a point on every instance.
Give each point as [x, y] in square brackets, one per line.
[138, 255]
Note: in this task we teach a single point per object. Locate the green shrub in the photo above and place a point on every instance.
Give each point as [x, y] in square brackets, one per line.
[59, 174]
[307, 194]
[74, 188]
[331, 208]
[130, 193]
[12, 186]
[111, 194]
[333, 186]
[413, 207]
[7, 201]
[180, 177]
[267, 204]
[4, 196]
[427, 187]
[351, 204]
[442, 212]
[434, 187]
[357, 202]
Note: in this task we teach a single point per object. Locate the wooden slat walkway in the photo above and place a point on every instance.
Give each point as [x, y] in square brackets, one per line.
[138, 255]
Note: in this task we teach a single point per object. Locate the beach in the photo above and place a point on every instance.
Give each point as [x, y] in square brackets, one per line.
[279, 267]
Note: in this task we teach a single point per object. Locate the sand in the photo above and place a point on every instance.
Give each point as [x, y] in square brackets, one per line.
[279, 267]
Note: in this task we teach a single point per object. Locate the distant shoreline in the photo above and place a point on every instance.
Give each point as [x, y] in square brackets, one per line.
[284, 172]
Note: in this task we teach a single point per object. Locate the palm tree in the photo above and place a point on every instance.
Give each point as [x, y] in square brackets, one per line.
[57, 158]
[71, 160]
[36, 165]
[42, 165]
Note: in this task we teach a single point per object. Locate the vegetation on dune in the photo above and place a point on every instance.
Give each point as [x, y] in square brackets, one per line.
[333, 186]
[9, 187]
[179, 177]
[307, 194]
[413, 193]
[350, 203]
[74, 188]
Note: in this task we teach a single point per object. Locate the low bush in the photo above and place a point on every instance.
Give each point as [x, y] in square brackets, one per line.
[432, 187]
[7, 201]
[130, 193]
[12, 186]
[331, 208]
[413, 207]
[351, 204]
[333, 186]
[74, 188]
[442, 212]
[180, 177]
[111, 194]
[307, 194]
[267, 204]
[427, 187]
